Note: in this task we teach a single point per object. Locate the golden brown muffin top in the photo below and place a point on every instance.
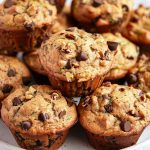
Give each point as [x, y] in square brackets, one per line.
[26, 14]
[125, 58]
[102, 12]
[38, 110]
[115, 110]
[74, 54]
[138, 29]
[13, 73]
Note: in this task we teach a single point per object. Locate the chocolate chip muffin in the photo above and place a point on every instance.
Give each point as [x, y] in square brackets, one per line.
[75, 61]
[139, 76]
[102, 15]
[38, 117]
[25, 23]
[138, 28]
[114, 116]
[32, 60]
[13, 73]
[126, 57]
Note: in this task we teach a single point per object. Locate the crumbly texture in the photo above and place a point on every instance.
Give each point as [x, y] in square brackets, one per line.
[24, 14]
[13, 73]
[38, 110]
[115, 110]
[75, 55]
[32, 60]
[125, 58]
[138, 29]
[103, 13]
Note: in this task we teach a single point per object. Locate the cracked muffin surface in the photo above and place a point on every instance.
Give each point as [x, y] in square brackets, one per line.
[13, 73]
[38, 110]
[102, 15]
[115, 110]
[74, 54]
[125, 58]
[138, 28]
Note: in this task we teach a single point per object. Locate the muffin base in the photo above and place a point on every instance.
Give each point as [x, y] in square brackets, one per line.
[41, 142]
[112, 142]
[76, 89]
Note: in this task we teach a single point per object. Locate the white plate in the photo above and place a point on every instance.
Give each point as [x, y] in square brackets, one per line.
[76, 139]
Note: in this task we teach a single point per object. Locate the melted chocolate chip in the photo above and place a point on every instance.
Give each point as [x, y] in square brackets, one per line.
[70, 36]
[39, 143]
[11, 73]
[43, 117]
[121, 89]
[130, 57]
[68, 65]
[125, 8]
[82, 56]
[142, 98]
[134, 19]
[8, 3]
[97, 3]
[38, 42]
[62, 114]
[16, 101]
[132, 78]
[55, 96]
[26, 125]
[29, 27]
[108, 108]
[125, 126]
[69, 102]
[26, 80]
[112, 45]
[87, 101]
[7, 88]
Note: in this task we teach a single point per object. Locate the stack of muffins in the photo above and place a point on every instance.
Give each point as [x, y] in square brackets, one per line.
[93, 50]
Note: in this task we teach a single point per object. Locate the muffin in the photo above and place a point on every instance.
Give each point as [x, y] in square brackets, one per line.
[139, 76]
[38, 117]
[75, 61]
[25, 23]
[32, 60]
[114, 116]
[125, 59]
[138, 28]
[102, 15]
[13, 73]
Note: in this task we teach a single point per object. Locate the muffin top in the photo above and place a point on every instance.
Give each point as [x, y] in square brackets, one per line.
[115, 110]
[26, 14]
[13, 73]
[38, 110]
[125, 58]
[74, 54]
[101, 12]
[138, 29]
[140, 75]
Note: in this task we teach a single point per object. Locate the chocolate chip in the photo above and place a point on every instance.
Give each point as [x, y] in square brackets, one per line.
[8, 3]
[132, 78]
[39, 143]
[43, 117]
[68, 65]
[62, 114]
[11, 73]
[55, 96]
[26, 125]
[70, 36]
[125, 8]
[26, 80]
[134, 19]
[29, 27]
[69, 102]
[7, 88]
[82, 56]
[86, 101]
[125, 126]
[121, 89]
[70, 29]
[130, 57]
[97, 3]
[142, 98]
[108, 108]
[16, 101]
[112, 45]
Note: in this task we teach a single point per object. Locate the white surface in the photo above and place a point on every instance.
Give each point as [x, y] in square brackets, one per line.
[76, 139]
